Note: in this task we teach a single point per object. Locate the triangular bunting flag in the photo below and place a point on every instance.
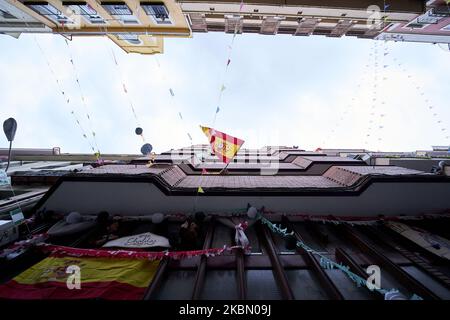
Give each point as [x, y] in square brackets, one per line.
[200, 190]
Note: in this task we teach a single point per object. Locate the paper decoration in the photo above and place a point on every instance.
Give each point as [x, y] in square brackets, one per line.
[204, 171]
[143, 240]
[200, 190]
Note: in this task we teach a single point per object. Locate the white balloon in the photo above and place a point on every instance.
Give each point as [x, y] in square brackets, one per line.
[157, 218]
[252, 212]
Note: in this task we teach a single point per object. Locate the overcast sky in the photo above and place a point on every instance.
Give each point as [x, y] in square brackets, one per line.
[280, 90]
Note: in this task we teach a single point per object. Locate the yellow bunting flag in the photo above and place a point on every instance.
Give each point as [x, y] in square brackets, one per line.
[200, 190]
[223, 145]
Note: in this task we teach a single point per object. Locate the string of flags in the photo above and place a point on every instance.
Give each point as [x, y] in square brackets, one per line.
[172, 98]
[83, 100]
[65, 97]
[351, 104]
[228, 62]
[327, 263]
[426, 100]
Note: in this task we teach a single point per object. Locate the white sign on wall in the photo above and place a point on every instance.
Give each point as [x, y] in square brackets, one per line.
[143, 240]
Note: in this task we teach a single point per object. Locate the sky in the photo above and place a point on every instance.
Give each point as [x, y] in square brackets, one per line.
[279, 90]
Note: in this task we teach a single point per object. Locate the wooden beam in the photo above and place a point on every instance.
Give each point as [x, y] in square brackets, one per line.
[343, 257]
[201, 270]
[331, 290]
[157, 279]
[403, 277]
[278, 270]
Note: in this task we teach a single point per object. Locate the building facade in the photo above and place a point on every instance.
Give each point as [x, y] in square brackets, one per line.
[141, 26]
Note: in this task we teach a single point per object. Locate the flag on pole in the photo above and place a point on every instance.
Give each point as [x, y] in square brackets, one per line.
[223, 145]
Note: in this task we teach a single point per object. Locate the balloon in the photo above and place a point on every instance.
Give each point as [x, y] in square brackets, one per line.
[252, 212]
[73, 217]
[157, 218]
[146, 149]
[138, 131]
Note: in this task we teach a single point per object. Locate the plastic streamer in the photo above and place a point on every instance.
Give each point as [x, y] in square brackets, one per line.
[327, 263]
[228, 62]
[65, 96]
[83, 100]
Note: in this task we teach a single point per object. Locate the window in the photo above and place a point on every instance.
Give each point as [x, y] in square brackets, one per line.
[158, 11]
[6, 15]
[86, 11]
[120, 11]
[130, 38]
[49, 11]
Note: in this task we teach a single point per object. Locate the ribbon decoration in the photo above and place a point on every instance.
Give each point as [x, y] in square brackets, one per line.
[59, 251]
[240, 237]
[327, 263]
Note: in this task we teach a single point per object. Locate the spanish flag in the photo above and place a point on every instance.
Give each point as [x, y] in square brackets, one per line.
[224, 146]
[104, 278]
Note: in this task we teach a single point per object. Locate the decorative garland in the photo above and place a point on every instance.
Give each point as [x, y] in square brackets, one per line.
[327, 263]
[55, 250]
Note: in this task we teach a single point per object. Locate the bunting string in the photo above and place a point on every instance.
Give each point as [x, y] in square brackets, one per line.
[83, 100]
[427, 102]
[351, 104]
[227, 65]
[327, 263]
[172, 99]
[65, 97]
[125, 89]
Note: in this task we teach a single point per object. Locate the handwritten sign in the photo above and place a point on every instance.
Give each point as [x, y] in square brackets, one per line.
[143, 240]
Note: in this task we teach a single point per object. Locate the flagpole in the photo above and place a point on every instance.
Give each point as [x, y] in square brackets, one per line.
[221, 171]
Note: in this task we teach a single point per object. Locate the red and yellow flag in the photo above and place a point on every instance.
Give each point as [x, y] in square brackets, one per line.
[223, 145]
[105, 278]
